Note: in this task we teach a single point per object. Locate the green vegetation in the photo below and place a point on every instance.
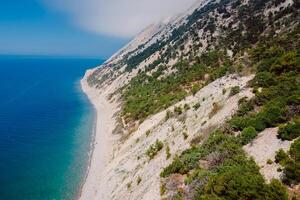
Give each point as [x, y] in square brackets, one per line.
[168, 154]
[129, 185]
[185, 135]
[162, 189]
[196, 106]
[215, 109]
[154, 149]
[146, 95]
[235, 90]
[227, 172]
[148, 133]
[291, 163]
[178, 110]
[231, 175]
[186, 107]
[289, 131]
[219, 166]
[269, 162]
[245, 107]
[281, 157]
[139, 180]
[277, 62]
[247, 135]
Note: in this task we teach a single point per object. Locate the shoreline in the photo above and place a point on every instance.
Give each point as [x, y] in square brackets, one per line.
[101, 143]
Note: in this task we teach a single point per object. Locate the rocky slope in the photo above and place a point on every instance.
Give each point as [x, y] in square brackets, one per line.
[180, 80]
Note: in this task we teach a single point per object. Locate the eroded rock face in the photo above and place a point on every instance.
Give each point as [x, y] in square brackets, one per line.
[129, 161]
[184, 37]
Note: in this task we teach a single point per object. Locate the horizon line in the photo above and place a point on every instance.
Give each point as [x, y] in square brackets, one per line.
[54, 56]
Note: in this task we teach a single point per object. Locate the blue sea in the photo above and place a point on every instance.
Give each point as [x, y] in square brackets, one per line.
[46, 127]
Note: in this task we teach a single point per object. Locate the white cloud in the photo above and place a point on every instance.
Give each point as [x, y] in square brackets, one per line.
[121, 18]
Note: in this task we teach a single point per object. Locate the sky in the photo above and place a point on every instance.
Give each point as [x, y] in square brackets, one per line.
[87, 28]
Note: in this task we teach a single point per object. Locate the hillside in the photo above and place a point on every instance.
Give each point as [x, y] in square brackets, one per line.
[204, 106]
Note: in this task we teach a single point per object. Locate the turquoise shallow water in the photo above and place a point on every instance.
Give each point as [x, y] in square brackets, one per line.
[46, 127]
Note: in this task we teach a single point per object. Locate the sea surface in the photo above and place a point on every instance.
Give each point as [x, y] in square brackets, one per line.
[46, 127]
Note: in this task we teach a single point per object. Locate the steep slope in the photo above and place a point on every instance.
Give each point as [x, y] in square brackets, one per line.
[178, 81]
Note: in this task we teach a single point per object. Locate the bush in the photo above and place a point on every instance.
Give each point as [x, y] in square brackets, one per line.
[269, 162]
[186, 107]
[168, 115]
[247, 135]
[195, 88]
[292, 166]
[217, 142]
[148, 133]
[240, 179]
[185, 135]
[196, 106]
[154, 149]
[245, 107]
[215, 110]
[238, 123]
[273, 113]
[178, 110]
[175, 167]
[168, 154]
[277, 191]
[258, 122]
[295, 150]
[234, 90]
[281, 157]
[138, 181]
[290, 131]
[264, 79]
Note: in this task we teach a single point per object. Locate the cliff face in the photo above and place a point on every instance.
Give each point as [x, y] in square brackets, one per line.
[180, 80]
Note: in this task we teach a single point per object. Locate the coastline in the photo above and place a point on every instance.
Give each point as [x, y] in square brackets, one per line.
[102, 141]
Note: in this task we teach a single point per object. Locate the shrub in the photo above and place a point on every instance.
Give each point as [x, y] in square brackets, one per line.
[138, 181]
[281, 157]
[168, 115]
[293, 100]
[273, 113]
[238, 123]
[231, 175]
[224, 91]
[195, 88]
[240, 179]
[292, 166]
[247, 135]
[258, 122]
[295, 150]
[290, 131]
[288, 61]
[154, 149]
[269, 162]
[277, 191]
[245, 107]
[234, 90]
[175, 167]
[168, 154]
[264, 79]
[178, 110]
[215, 110]
[148, 133]
[129, 185]
[186, 107]
[185, 135]
[196, 106]
[163, 189]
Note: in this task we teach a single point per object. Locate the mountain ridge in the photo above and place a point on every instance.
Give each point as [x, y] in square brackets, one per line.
[203, 88]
